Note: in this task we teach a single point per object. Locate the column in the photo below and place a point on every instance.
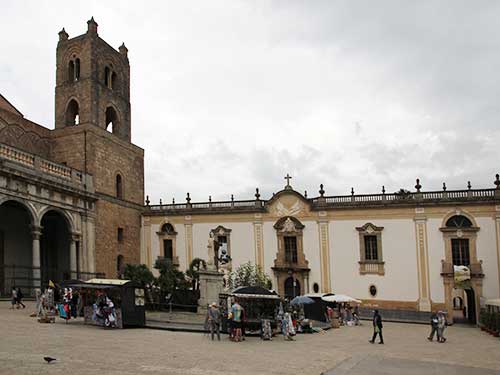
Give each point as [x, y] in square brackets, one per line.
[424, 294]
[36, 233]
[497, 226]
[73, 266]
[188, 229]
[258, 241]
[324, 254]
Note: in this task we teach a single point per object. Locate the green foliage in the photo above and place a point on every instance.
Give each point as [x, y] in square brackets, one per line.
[139, 273]
[170, 277]
[193, 273]
[249, 274]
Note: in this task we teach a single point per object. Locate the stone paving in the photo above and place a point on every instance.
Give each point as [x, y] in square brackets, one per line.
[82, 349]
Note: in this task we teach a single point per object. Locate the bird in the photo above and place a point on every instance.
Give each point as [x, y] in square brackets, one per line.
[49, 359]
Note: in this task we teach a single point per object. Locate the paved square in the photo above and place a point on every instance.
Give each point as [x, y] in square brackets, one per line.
[81, 349]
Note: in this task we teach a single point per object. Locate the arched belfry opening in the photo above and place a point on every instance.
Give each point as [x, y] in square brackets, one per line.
[54, 247]
[72, 113]
[71, 71]
[77, 69]
[15, 247]
[112, 120]
[119, 186]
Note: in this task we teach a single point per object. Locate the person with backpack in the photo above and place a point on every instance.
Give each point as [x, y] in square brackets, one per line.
[20, 297]
[377, 328]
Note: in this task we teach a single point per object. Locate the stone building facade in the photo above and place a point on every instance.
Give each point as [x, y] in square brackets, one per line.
[394, 251]
[77, 191]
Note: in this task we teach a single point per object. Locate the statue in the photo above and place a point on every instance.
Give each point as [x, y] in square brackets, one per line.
[211, 253]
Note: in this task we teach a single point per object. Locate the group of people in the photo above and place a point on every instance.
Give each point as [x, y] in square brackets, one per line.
[235, 319]
[17, 298]
[70, 302]
[438, 325]
[104, 312]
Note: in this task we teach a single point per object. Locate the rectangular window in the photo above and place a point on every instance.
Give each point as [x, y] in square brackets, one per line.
[290, 249]
[371, 251]
[168, 250]
[460, 251]
[120, 234]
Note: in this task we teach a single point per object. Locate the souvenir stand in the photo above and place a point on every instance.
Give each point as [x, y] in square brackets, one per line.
[127, 297]
[258, 304]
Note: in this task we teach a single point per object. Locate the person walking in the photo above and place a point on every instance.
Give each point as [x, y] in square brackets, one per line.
[13, 298]
[20, 297]
[441, 326]
[434, 327]
[377, 328]
[214, 320]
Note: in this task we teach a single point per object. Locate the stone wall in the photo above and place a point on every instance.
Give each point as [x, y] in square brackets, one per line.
[18, 132]
[110, 217]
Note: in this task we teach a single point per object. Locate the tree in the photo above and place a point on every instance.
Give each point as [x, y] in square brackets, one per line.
[139, 273]
[170, 278]
[249, 274]
[193, 272]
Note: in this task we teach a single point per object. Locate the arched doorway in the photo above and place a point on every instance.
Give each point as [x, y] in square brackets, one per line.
[292, 287]
[54, 247]
[15, 247]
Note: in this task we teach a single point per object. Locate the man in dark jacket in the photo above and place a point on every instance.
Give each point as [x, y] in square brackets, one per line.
[377, 328]
[434, 327]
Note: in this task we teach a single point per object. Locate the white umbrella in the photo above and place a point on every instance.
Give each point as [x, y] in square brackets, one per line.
[340, 298]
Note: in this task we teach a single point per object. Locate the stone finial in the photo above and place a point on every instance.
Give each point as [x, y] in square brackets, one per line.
[305, 193]
[383, 189]
[321, 190]
[92, 26]
[210, 198]
[63, 35]
[188, 198]
[161, 203]
[147, 200]
[444, 186]
[469, 186]
[173, 200]
[257, 194]
[232, 198]
[418, 186]
[352, 191]
[497, 181]
[123, 50]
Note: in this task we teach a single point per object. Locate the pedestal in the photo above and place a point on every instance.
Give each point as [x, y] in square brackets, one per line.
[211, 285]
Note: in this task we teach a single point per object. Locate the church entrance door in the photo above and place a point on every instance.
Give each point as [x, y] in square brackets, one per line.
[292, 288]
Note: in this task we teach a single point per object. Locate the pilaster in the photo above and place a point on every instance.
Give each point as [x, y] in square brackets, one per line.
[497, 226]
[424, 294]
[258, 240]
[324, 247]
[188, 230]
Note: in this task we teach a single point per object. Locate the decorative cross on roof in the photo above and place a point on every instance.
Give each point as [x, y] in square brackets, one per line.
[287, 178]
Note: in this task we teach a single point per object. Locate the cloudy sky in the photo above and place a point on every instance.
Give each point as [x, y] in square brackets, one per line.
[232, 95]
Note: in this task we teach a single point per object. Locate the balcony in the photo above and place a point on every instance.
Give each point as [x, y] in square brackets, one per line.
[174, 260]
[371, 268]
[476, 269]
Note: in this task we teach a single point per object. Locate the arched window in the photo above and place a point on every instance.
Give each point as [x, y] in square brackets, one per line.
[72, 113]
[77, 69]
[106, 76]
[113, 81]
[112, 119]
[168, 228]
[458, 221]
[71, 71]
[119, 187]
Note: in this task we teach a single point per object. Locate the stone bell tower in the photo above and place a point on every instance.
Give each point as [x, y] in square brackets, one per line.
[93, 134]
[92, 83]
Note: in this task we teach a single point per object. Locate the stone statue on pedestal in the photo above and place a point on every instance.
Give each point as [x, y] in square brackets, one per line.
[211, 253]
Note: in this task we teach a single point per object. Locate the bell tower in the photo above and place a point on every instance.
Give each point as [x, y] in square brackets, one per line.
[92, 134]
[92, 83]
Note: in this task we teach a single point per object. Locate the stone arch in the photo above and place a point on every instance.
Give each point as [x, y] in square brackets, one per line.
[113, 118]
[457, 212]
[119, 185]
[27, 205]
[67, 216]
[72, 113]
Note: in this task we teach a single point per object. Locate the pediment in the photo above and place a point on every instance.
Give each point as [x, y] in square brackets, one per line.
[288, 203]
